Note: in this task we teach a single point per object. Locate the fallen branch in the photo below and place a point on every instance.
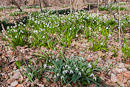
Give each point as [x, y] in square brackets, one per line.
[4, 31]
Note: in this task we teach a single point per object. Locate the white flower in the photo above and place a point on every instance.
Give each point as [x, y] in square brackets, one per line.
[30, 74]
[95, 78]
[65, 71]
[106, 27]
[89, 28]
[57, 59]
[71, 71]
[92, 75]
[109, 35]
[43, 37]
[54, 76]
[76, 35]
[70, 29]
[89, 55]
[15, 30]
[89, 65]
[15, 36]
[6, 36]
[82, 70]
[79, 73]
[35, 31]
[66, 66]
[99, 28]
[76, 69]
[58, 74]
[45, 65]
[101, 43]
[8, 27]
[50, 67]
[30, 36]
[62, 77]
[29, 65]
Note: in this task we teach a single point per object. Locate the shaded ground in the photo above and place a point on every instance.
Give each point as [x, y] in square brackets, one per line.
[116, 74]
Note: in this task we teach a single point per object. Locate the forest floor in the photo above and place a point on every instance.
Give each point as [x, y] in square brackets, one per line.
[116, 72]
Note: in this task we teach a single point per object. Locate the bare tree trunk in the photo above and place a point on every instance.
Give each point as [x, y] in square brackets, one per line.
[98, 7]
[40, 5]
[45, 3]
[17, 5]
[25, 2]
[71, 8]
[34, 1]
[119, 30]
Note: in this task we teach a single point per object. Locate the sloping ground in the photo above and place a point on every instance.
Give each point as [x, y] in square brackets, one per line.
[113, 74]
[11, 76]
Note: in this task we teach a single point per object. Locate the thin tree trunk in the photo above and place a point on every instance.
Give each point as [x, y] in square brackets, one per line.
[98, 7]
[17, 5]
[71, 8]
[40, 5]
[119, 30]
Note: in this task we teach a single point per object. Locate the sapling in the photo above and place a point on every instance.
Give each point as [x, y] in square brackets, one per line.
[119, 30]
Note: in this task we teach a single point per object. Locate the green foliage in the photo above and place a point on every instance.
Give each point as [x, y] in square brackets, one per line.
[49, 29]
[113, 8]
[73, 70]
[18, 64]
[33, 73]
[103, 8]
[16, 13]
[126, 49]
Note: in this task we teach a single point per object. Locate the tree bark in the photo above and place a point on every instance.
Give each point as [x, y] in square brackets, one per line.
[17, 5]
[40, 5]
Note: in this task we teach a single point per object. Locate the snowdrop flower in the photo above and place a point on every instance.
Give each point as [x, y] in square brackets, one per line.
[109, 35]
[54, 76]
[89, 65]
[29, 74]
[57, 59]
[69, 67]
[99, 28]
[62, 77]
[71, 71]
[35, 31]
[89, 28]
[82, 70]
[15, 36]
[76, 69]
[92, 75]
[79, 73]
[76, 35]
[58, 74]
[43, 37]
[95, 78]
[15, 30]
[6, 36]
[25, 69]
[50, 67]
[21, 31]
[7, 27]
[89, 55]
[106, 27]
[45, 65]
[66, 66]
[70, 29]
[29, 65]
[65, 71]
[30, 36]
[101, 43]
